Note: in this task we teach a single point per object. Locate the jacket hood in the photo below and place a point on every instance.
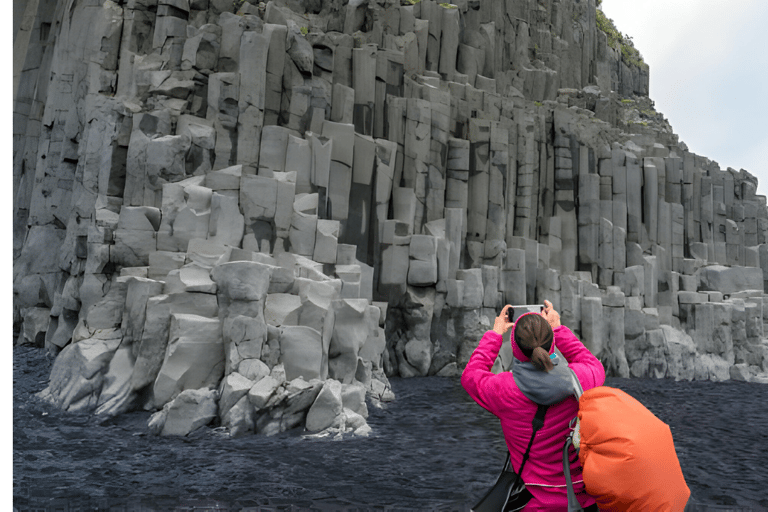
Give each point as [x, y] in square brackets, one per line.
[545, 388]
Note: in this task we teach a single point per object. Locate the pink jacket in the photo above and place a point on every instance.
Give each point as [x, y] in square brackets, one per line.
[543, 473]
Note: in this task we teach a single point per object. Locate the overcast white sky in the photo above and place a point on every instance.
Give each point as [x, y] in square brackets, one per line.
[709, 73]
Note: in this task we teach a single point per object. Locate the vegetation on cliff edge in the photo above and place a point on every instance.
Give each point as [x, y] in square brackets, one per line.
[630, 55]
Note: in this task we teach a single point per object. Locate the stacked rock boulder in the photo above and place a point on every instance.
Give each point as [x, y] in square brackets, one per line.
[257, 212]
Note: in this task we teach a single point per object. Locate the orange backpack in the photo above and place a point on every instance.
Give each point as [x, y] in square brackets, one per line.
[627, 455]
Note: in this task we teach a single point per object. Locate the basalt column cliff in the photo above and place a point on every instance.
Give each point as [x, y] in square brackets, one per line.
[255, 214]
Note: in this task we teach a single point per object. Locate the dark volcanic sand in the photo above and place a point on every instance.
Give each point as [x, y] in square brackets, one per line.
[432, 449]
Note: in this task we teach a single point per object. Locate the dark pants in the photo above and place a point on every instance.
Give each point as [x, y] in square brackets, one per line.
[592, 508]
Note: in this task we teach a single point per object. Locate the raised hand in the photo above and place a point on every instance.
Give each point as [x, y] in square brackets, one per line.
[552, 316]
[502, 324]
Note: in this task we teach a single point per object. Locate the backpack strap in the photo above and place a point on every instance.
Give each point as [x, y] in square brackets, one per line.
[578, 390]
[573, 503]
[537, 423]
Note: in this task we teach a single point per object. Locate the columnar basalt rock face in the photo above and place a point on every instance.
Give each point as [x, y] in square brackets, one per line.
[218, 214]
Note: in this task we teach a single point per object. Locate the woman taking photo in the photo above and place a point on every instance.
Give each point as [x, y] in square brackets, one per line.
[538, 376]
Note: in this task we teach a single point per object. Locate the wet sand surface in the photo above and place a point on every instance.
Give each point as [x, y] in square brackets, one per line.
[431, 449]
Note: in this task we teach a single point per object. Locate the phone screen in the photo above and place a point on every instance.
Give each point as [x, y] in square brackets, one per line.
[515, 312]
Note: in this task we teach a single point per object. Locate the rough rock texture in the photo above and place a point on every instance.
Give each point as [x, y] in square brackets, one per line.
[206, 199]
[190, 410]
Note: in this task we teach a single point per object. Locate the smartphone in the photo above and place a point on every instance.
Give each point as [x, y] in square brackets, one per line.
[514, 312]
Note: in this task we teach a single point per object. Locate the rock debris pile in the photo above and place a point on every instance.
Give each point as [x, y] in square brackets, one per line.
[254, 214]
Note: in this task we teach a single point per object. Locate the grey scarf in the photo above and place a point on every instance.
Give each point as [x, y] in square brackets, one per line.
[546, 388]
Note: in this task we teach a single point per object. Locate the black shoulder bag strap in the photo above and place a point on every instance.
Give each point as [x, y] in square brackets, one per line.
[519, 495]
[537, 423]
[510, 485]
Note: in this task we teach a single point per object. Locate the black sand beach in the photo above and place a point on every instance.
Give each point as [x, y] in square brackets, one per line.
[432, 449]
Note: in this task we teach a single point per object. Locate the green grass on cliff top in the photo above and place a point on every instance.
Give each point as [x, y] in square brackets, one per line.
[629, 54]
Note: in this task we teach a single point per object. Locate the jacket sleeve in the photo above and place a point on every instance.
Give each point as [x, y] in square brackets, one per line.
[584, 364]
[478, 380]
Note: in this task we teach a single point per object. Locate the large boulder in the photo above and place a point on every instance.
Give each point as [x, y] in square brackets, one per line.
[261, 392]
[240, 418]
[353, 398]
[194, 358]
[117, 394]
[77, 375]
[353, 420]
[154, 337]
[300, 395]
[302, 352]
[743, 372]
[190, 410]
[327, 407]
[233, 387]
[288, 407]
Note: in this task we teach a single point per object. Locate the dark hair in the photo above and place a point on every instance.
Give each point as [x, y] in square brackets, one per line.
[534, 337]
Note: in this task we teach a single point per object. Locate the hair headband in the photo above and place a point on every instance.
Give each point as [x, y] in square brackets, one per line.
[512, 338]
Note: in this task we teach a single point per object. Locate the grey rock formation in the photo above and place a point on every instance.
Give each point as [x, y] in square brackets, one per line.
[286, 204]
[190, 410]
